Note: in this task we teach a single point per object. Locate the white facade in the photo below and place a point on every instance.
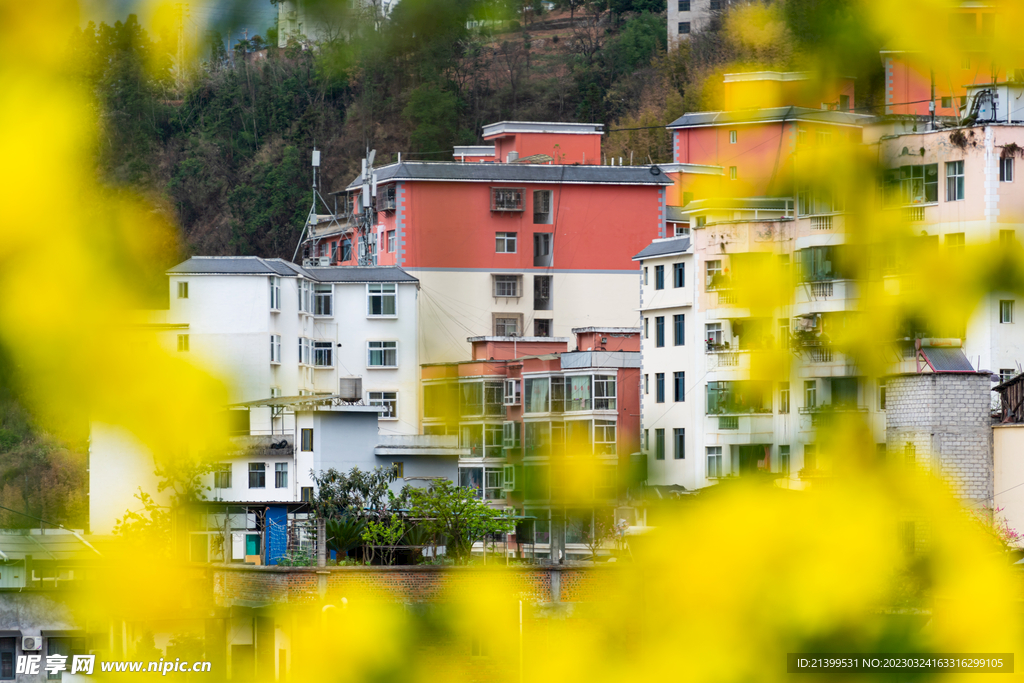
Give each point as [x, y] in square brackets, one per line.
[690, 16]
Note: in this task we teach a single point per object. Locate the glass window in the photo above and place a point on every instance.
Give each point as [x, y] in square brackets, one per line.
[732, 137]
[391, 241]
[1007, 238]
[493, 441]
[323, 354]
[275, 293]
[182, 290]
[472, 478]
[493, 480]
[222, 476]
[604, 437]
[679, 443]
[1006, 170]
[346, 250]
[388, 399]
[505, 242]
[684, 28]
[679, 386]
[733, 173]
[659, 277]
[537, 437]
[471, 399]
[506, 199]
[281, 475]
[182, 342]
[1006, 311]
[659, 387]
[579, 393]
[659, 331]
[542, 207]
[494, 398]
[381, 298]
[257, 475]
[954, 181]
[604, 392]
[382, 354]
[713, 334]
[537, 392]
[307, 440]
[659, 444]
[323, 299]
[506, 327]
[679, 329]
[783, 397]
[713, 274]
[684, 5]
[955, 242]
[66, 647]
[810, 393]
[678, 274]
[275, 348]
[881, 394]
[810, 456]
[561, 388]
[506, 285]
[784, 459]
[714, 456]
[7, 652]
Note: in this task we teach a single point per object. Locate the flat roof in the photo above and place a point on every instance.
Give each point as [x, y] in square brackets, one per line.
[519, 339]
[254, 265]
[721, 118]
[576, 174]
[608, 330]
[510, 127]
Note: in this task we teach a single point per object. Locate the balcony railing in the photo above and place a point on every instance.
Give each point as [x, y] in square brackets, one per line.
[726, 297]
[821, 222]
[822, 290]
[913, 214]
[728, 360]
[821, 354]
[732, 422]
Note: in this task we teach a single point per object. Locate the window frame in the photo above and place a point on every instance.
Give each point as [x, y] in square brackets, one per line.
[679, 275]
[502, 240]
[517, 317]
[306, 440]
[392, 241]
[323, 300]
[280, 475]
[546, 216]
[222, 472]
[275, 293]
[508, 199]
[683, 28]
[679, 386]
[659, 387]
[275, 349]
[182, 289]
[380, 291]
[506, 279]
[713, 454]
[323, 351]
[257, 474]
[1006, 164]
[810, 393]
[387, 399]
[659, 331]
[1006, 311]
[733, 137]
[679, 443]
[659, 277]
[382, 347]
[659, 443]
[679, 329]
[955, 181]
[183, 343]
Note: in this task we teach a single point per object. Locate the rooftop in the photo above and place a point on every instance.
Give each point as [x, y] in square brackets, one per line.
[511, 127]
[518, 173]
[606, 330]
[664, 247]
[721, 118]
[254, 265]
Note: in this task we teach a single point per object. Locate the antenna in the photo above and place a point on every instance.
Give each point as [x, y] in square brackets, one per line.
[312, 217]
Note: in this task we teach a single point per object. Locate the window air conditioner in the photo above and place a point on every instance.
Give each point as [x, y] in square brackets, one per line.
[350, 388]
[31, 643]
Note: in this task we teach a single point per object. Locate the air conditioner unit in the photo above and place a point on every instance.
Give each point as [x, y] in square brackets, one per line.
[31, 643]
[350, 388]
[323, 261]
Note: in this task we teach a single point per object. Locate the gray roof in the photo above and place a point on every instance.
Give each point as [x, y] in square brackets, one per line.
[253, 265]
[55, 544]
[673, 245]
[942, 359]
[519, 173]
[676, 214]
[720, 118]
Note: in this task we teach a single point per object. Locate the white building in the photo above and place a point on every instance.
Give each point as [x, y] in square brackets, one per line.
[690, 16]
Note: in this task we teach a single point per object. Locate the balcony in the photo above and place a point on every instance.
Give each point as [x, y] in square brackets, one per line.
[825, 415]
[263, 445]
[823, 296]
[740, 429]
[420, 444]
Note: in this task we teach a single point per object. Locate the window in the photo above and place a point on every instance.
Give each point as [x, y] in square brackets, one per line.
[542, 207]
[381, 299]
[801, 136]
[784, 459]
[659, 444]
[732, 137]
[714, 454]
[783, 333]
[542, 327]
[493, 483]
[604, 437]
[1006, 311]
[275, 348]
[881, 394]
[947, 102]
[506, 199]
[659, 331]
[1006, 173]
[306, 494]
[647, 384]
[844, 103]
[542, 249]
[281, 475]
[918, 184]
[182, 342]
[506, 327]
[387, 399]
[823, 137]
[647, 328]
[346, 250]
[222, 476]
[715, 5]
[684, 28]
[712, 274]
[542, 292]
[506, 285]
[679, 329]
[811, 393]
[382, 354]
[391, 241]
[1007, 238]
[684, 5]
[955, 242]
[659, 277]
[306, 439]
[909, 453]
[678, 275]
[1006, 374]
[304, 351]
[275, 293]
[659, 387]
[537, 393]
[7, 650]
[732, 173]
[713, 334]
[510, 434]
[65, 647]
[182, 290]
[679, 443]
[645, 275]
[323, 354]
[505, 242]
[783, 397]
[257, 475]
[323, 299]
[810, 456]
[305, 296]
[954, 181]
[646, 439]
[604, 392]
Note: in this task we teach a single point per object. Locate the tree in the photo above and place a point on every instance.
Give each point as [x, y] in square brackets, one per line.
[146, 531]
[434, 112]
[454, 514]
[384, 533]
[362, 495]
[345, 533]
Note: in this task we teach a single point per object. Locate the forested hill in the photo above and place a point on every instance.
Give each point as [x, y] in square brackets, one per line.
[224, 147]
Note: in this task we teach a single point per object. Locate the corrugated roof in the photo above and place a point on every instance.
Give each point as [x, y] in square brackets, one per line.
[253, 265]
[674, 245]
[719, 118]
[55, 544]
[942, 359]
[519, 173]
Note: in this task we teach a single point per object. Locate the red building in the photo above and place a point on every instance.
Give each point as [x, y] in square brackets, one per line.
[552, 432]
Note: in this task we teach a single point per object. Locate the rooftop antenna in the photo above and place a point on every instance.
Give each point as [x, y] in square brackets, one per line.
[368, 215]
[312, 217]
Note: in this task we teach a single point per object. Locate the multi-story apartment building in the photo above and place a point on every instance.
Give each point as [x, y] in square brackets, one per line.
[686, 17]
[550, 432]
[534, 244]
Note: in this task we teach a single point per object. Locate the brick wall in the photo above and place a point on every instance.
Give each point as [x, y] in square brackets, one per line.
[945, 417]
[250, 585]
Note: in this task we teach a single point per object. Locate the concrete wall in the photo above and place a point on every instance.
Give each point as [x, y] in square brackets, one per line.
[1008, 473]
[945, 417]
